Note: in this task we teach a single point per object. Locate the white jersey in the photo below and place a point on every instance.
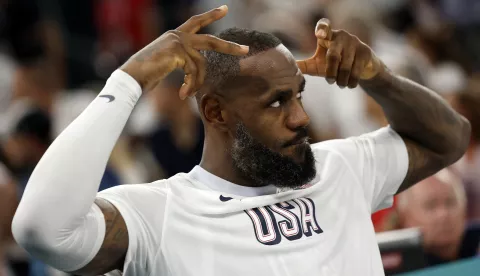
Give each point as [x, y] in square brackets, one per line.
[198, 224]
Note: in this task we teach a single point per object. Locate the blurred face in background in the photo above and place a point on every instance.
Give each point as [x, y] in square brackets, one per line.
[438, 208]
[23, 151]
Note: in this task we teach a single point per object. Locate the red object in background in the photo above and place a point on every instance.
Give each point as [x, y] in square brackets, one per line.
[379, 218]
[124, 17]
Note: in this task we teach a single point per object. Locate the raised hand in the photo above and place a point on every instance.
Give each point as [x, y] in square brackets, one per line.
[340, 57]
[179, 48]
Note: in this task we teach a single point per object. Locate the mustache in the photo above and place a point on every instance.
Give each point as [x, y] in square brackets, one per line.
[302, 133]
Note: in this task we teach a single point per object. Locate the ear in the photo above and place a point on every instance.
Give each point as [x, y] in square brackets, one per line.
[212, 108]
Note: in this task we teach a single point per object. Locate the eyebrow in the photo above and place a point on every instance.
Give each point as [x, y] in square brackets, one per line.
[289, 92]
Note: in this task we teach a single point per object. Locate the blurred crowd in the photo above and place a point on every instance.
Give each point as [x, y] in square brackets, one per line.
[56, 55]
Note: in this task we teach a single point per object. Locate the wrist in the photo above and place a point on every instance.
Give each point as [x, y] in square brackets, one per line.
[133, 71]
[383, 76]
[123, 87]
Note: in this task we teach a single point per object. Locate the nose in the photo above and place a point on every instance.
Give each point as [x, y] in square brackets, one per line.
[297, 117]
[442, 213]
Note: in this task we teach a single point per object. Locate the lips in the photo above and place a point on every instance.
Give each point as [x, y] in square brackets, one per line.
[296, 142]
[300, 138]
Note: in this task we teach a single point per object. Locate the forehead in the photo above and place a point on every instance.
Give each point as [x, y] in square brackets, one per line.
[433, 188]
[276, 65]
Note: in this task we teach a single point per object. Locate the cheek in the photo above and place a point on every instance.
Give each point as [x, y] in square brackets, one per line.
[420, 218]
[265, 125]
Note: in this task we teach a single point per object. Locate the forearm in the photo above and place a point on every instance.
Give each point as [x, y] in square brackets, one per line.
[60, 193]
[419, 114]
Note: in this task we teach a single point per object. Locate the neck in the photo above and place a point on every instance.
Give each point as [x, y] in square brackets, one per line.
[217, 160]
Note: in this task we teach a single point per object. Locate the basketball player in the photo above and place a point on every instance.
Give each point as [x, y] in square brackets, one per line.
[262, 201]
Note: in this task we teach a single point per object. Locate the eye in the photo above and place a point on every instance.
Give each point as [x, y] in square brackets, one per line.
[275, 104]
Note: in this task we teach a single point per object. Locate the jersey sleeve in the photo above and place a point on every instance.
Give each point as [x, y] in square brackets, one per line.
[142, 206]
[378, 159]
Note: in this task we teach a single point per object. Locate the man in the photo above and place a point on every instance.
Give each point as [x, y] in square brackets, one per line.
[466, 102]
[262, 201]
[438, 206]
[8, 203]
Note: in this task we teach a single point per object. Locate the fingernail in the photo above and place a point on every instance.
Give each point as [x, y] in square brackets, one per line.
[342, 87]
[224, 7]
[321, 33]
[246, 48]
[330, 80]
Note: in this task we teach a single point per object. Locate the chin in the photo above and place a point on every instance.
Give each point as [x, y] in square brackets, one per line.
[298, 153]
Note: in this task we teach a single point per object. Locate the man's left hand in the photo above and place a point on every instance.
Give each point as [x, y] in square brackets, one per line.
[341, 57]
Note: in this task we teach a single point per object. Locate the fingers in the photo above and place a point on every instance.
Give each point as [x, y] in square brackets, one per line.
[190, 69]
[333, 59]
[324, 33]
[212, 43]
[346, 60]
[201, 65]
[346, 63]
[357, 68]
[323, 29]
[195, 23]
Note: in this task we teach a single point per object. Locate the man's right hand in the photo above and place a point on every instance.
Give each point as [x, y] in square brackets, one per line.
[179, 49]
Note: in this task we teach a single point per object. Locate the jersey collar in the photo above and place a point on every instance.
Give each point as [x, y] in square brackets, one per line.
[221, 185]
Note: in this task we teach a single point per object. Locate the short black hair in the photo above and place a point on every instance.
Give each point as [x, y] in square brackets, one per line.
[35, 124]
[222, 67]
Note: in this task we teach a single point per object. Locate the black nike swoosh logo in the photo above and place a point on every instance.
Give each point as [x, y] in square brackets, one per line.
[225, 198]
[109, 97]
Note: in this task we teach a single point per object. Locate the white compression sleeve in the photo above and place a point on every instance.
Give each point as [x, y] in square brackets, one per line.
[57, 220]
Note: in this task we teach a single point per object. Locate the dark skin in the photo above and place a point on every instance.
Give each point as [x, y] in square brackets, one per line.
[269, 106]
[266, 98]
[176, 49]
[434, 133]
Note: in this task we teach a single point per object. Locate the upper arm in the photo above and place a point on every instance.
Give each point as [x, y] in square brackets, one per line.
[114, 248]
[422, 163]
[134, 222]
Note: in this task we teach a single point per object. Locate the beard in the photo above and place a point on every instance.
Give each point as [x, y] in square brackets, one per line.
[262, 166]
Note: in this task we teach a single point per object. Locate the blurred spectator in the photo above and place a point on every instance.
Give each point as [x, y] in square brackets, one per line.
[21, 49]
[28, 141]
[437, 205]
[240, 13]
[435, 28]
[177, 144]
[448, 79]
[124, 27]
[467, 103]
[464, 15]
[174, 13]
[8, 204]
[30, 137]
[23, 149]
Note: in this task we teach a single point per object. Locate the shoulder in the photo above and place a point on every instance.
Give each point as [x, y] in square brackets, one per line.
[133, 191]
[358, 145]
[142, 196]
